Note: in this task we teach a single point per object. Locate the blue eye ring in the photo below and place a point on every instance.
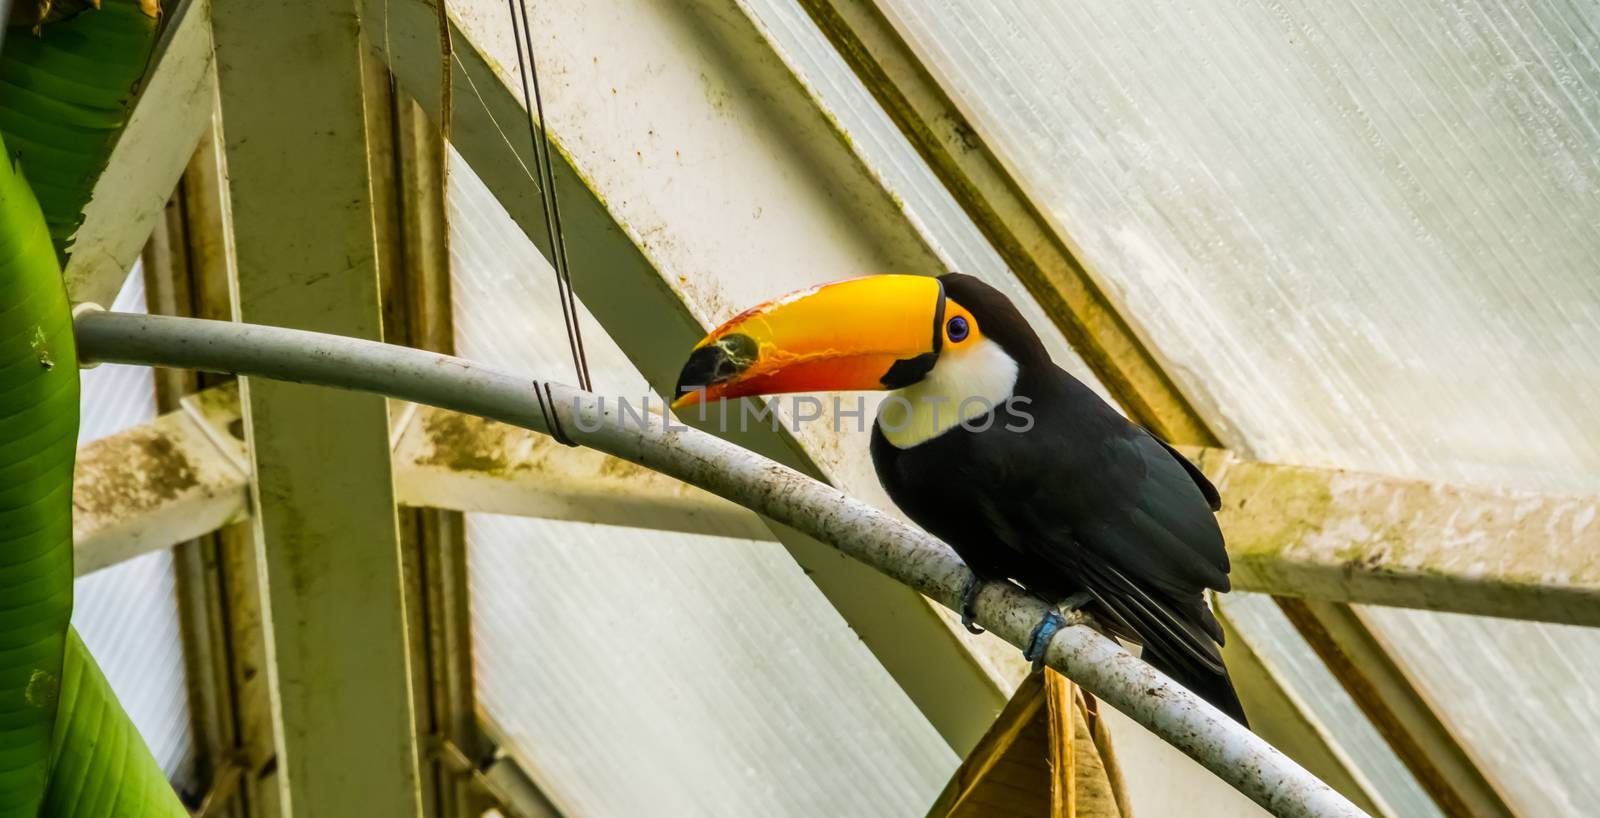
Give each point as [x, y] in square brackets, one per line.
[956, 329]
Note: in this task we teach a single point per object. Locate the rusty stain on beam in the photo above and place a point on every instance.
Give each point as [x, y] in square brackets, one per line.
[184, 475]
[152, 486]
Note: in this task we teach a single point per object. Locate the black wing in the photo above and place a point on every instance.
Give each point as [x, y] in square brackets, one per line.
[1132, 525]
[1139, 508]
[1213, 497]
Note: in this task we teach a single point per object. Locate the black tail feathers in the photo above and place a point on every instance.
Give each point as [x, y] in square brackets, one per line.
[1215, 688]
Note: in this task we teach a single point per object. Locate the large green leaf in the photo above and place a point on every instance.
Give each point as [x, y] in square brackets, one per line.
[64, 739]
[99, 765]
[66, 746]
[38, 436]
[65, 94]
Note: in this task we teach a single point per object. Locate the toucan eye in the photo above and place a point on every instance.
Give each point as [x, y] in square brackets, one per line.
[956, 329]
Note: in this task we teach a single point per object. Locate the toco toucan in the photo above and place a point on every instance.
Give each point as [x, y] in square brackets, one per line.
[991, 447]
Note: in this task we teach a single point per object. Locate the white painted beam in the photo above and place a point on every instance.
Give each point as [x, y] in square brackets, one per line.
[448, 460]
[292, 79]
[185, 474]
[1346, 536]
[1292, 530]
[149, 157]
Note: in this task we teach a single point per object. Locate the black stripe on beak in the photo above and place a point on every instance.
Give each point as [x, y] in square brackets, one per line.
[908, 371]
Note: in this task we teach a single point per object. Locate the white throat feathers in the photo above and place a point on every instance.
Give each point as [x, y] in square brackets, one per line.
[964, 384]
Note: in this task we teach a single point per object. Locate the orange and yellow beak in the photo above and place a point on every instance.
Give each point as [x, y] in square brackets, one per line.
[878, 332]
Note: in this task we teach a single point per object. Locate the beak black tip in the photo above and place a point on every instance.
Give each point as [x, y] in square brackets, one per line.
[698, 370]
[715, 363]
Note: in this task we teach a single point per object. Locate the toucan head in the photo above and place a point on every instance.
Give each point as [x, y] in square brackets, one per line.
[878, 332]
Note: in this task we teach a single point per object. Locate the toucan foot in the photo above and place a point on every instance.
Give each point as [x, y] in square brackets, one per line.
[969, 604]
[1039, 640]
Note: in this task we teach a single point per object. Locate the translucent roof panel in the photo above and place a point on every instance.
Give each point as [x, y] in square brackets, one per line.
[1358, 236]
[1364, 235]
[117, 397]
[504, 296]
[1270, 634]
[128, 617]
[127, 614]
[1519, 694]
[640, 672]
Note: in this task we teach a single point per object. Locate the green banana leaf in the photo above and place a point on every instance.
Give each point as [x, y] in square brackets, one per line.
[99, 764]
[38, 436]
[65, 95]
[66, 746]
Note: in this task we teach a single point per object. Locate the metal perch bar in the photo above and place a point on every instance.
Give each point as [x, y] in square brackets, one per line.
[1102, 667]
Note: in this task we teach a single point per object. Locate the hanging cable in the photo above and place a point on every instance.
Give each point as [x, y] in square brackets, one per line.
[539, 138]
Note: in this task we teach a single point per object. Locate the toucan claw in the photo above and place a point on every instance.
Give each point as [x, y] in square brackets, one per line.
[969, 604]
[1039, 640]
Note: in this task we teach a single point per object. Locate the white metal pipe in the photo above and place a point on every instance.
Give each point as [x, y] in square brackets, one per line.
[1102, 667]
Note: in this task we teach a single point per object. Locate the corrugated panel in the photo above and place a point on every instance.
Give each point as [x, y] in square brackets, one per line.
[504, 297]
[1366, 233]
[128, 614]
[643, 673]
[1521, 695]
[1360, 235]
[128, 617]
[115, 397]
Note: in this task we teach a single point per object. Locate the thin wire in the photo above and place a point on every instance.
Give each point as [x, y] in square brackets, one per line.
[532, 103]
[539, 138]
[555, 204]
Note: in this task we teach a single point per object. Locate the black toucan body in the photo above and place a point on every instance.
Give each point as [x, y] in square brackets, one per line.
[988, 445]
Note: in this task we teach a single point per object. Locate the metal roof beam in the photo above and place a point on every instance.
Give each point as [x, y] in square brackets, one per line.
[186, 474]
[294, 80]
[1292, 530]
[150, 155]
[161, 483]
[448, 460]
[1346, 536]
